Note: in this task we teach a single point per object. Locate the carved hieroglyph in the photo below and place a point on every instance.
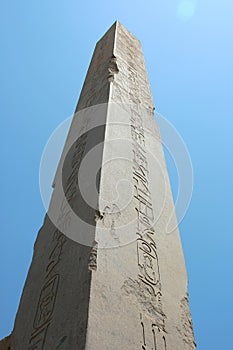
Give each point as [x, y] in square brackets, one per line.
[113, 278]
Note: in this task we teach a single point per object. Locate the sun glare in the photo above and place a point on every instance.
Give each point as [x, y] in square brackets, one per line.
[186, 9]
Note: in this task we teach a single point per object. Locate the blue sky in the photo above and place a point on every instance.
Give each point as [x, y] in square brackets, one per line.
[46, 48]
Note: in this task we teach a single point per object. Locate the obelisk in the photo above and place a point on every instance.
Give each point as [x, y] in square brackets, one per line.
[105, 273]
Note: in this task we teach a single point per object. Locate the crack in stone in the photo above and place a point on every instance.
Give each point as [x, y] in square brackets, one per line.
[61, 341]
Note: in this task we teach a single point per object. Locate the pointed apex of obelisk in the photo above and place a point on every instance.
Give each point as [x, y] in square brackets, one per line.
[115, 28]
[117, 60]
[119, 25]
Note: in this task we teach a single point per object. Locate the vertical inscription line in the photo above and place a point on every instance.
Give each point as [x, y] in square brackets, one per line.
[148, 264]
[48, 294]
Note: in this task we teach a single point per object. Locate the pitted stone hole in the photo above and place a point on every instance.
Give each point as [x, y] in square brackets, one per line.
[112, 68]
[92, 266]
[98, 216]
[150, 303]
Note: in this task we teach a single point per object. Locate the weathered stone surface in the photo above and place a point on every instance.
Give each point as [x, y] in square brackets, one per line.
[5, 344]
[115, 279]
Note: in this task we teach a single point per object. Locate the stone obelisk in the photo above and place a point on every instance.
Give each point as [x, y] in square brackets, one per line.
[105, 274]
